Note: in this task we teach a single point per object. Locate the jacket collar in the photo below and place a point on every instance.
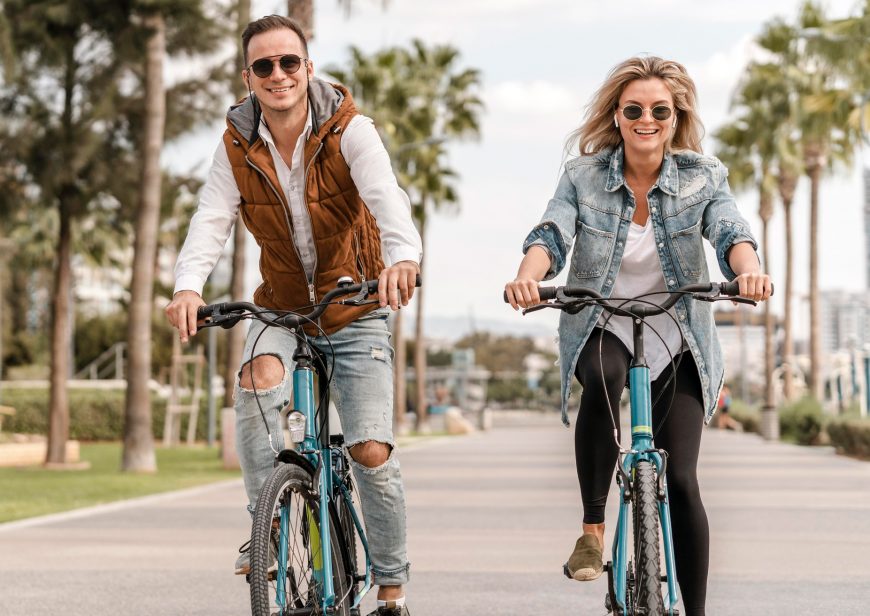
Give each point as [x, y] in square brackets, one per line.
[667, 182]
[324, 101]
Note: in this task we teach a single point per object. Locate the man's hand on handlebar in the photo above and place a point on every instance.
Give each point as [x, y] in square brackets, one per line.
[396, 284]
[181, 312]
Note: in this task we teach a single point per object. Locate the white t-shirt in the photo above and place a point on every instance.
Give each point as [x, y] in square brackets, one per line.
[640, 273]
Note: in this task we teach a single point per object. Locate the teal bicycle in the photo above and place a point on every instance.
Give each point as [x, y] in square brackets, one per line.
[635, 575]
[304, 535]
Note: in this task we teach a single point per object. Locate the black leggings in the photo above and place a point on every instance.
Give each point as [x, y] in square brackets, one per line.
[680, 436]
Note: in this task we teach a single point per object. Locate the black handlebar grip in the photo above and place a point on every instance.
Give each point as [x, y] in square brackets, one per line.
[547, 293]
[729, 288]
[544, 293]
[733, 289]
[204, 311]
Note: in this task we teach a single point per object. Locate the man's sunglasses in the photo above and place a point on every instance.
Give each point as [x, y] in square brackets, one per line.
[635, 112]
[289, 63]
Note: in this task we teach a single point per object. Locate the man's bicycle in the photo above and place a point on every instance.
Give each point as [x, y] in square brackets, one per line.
[303, 545]
[634, 575]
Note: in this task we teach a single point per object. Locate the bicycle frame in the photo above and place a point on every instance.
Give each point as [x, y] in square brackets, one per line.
[641, 449]
[316, 451]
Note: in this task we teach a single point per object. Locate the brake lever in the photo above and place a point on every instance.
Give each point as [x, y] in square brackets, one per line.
[226, 321]
[360, 299]
[735, 299]
[540, 307]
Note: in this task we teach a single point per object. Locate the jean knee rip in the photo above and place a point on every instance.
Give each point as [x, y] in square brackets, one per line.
[371, 470]
[264, 390]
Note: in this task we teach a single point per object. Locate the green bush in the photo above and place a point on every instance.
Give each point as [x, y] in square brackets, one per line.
[95, 414]
[802, 422]
[850, 436]
[749, 417]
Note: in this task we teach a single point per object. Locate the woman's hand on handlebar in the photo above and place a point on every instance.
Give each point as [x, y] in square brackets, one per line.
[755, 286]
[396, 284]
[181, 313]
[522, 293]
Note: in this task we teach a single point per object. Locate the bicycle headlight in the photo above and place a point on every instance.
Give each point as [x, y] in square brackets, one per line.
[296, 426]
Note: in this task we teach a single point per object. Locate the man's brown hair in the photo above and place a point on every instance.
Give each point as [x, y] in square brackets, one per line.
[271, 22]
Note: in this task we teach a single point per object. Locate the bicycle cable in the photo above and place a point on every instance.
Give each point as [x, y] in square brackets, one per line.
[280, 314]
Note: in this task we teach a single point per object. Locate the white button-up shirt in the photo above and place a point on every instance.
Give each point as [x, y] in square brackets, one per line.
[370, 170]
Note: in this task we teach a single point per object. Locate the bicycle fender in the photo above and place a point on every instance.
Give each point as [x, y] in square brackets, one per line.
[289, 456]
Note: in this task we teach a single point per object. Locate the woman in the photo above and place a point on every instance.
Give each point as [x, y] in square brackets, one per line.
[636, 204]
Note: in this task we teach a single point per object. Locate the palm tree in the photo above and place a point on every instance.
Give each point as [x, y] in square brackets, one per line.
[747, 149]
[825, 137]
[445, 105]
[818, 118]
[776, 81]
[419, 99]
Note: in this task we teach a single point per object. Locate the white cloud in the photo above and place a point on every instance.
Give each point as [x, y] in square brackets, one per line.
[532, 98]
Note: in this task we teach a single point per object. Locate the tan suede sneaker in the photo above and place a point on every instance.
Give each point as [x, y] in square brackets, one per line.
[585, 563]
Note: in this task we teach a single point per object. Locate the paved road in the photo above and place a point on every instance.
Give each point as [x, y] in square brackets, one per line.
[492, 518]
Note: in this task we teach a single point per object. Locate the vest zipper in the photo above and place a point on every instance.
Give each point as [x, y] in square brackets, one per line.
[285, 208]
[312, 283]
[358, 250]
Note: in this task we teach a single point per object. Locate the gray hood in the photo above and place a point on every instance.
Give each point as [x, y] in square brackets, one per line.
[324, 100]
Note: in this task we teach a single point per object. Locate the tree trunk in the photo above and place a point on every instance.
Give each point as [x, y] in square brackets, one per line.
[138, 453]
[814, 170]
[420, 350]
[769, 351]
[400, 362]
[788, 338]
[236, 335]
[765, 212]
[61, 328]
[58, 406]
[302, 11]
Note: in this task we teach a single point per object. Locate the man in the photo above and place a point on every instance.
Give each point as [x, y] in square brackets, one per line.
[315, 187]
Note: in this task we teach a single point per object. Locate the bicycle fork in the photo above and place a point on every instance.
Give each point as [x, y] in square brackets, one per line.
[641, 450]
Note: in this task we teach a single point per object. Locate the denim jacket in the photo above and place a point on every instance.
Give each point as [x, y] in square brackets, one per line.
[593, 208]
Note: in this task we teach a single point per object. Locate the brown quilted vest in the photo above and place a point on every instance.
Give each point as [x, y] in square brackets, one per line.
[346, 237]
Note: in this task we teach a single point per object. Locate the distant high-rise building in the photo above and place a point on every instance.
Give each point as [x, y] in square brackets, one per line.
[845, 321]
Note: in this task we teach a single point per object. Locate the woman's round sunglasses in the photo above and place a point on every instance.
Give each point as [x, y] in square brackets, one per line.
[289, 63]
[634, 112]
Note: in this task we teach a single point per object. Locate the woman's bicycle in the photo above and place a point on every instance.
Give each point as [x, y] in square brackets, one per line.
[303, 545]
[634, 575]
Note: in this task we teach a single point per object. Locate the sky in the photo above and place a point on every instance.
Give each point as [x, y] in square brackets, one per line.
[541, 60]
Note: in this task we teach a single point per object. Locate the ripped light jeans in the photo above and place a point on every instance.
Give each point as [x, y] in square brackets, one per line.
[362, 389]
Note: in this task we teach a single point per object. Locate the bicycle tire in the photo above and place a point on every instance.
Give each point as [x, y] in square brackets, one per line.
[647, 567]
[291, 484]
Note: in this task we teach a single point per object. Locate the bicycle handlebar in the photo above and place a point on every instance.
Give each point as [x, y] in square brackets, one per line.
[227, 314]
[728, 289]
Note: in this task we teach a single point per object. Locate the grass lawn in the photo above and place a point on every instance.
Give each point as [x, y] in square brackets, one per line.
[27, 492]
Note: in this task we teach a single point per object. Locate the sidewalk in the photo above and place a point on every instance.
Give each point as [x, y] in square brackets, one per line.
[492, 518]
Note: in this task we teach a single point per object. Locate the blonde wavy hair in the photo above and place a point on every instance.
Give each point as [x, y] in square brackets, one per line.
[598, 132]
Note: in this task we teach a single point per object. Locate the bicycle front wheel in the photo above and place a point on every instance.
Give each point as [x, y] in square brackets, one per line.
[294, 586]
[647, 576]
